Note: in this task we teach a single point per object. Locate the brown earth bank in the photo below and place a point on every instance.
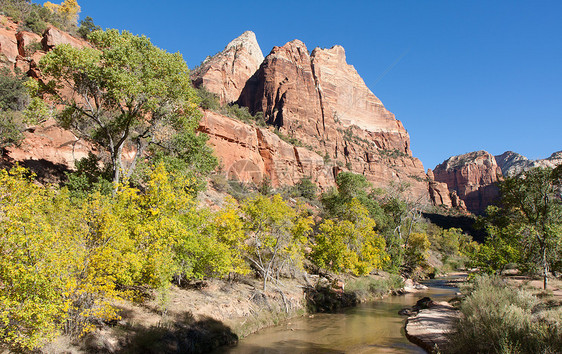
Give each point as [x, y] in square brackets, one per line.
[212, 313]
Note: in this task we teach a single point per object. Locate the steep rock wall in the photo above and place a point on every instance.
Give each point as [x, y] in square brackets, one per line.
[472, 176]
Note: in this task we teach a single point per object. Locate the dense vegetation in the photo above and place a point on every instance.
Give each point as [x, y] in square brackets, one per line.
[36, 18]
[123, 228]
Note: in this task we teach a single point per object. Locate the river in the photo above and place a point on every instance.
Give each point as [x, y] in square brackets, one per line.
[373, 327]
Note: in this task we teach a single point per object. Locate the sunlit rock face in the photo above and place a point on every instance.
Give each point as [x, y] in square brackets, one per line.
[512, 163]
[227, 72]
[321, 101]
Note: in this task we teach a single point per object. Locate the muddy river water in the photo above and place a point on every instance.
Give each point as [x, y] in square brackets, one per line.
[373, 327]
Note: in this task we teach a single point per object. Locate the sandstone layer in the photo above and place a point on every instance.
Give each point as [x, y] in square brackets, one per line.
[472, 176]
[227, 72]
[250, 154]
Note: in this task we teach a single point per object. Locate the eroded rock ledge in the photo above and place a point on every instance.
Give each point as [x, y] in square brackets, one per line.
[429, 327]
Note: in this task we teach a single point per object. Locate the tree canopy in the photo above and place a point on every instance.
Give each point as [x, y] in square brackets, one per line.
[126, 94]
[527, 226]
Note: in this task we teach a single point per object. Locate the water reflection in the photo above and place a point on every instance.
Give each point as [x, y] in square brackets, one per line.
[369, 328]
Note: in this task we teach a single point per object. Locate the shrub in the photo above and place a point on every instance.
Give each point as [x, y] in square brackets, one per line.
[13, 94]
[499, 319]
[11, 127]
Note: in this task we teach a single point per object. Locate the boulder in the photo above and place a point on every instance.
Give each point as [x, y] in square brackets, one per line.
[8, 47]
[53, 37]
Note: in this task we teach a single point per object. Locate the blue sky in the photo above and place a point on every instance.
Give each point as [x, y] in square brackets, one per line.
[468, 75]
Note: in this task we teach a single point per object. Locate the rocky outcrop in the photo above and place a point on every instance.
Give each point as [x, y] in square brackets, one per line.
[8, 47]
[430, 326]
[50, 143]
[53, 37]
[512, 163]
[472, 176]
[22, 49]
[46, 144]
[227, 72]
[440, 194]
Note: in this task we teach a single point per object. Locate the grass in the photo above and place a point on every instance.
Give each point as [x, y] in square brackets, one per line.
[497, 318]
[369, 287]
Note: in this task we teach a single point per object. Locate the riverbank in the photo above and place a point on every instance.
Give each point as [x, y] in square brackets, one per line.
[497, 314]
[429, 328]
[215, 313]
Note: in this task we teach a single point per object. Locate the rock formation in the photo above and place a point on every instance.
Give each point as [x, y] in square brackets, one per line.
[512, 163]
[472, 176]
[227, 72]
[322, 102]
[46, 143]
[316, 99]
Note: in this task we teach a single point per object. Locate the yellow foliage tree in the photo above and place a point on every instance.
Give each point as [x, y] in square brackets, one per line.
[276, 234]
[351, 244]
[68, 10]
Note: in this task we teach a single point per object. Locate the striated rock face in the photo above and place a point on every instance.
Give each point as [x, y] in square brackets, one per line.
[345, 98]
[512, 163]
[472, 177]
[322, 102]
[250, 154]
[227, 72]
[49, 142]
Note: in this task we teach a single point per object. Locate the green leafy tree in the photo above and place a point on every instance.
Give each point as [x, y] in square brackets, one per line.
[124, 93]
[530, 217]
[87, 26]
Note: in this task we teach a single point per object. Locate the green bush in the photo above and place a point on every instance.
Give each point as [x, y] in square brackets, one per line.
[305, 188]
[11, 127]
[13, 95]
[499, 319]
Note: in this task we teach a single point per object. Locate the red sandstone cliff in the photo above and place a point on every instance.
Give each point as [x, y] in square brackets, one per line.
[472, 176]
[322, 101]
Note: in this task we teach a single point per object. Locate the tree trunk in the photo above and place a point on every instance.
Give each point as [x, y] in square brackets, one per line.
[545, 268]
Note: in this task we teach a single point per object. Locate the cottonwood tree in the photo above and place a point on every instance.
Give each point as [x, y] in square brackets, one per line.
[125, 93]
[276, 234]
[531, 201]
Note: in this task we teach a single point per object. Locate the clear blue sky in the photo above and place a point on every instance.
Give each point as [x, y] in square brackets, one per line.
[472, 75]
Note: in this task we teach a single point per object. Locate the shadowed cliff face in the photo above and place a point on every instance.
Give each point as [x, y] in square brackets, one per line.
[473, 177]
[321, 101]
